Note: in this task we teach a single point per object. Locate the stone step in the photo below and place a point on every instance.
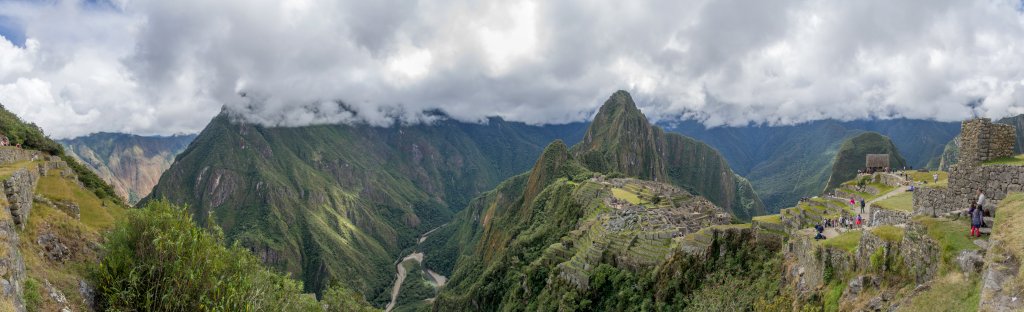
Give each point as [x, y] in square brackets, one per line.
[986, 230]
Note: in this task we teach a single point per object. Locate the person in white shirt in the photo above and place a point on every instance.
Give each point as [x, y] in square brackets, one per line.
[981, 198]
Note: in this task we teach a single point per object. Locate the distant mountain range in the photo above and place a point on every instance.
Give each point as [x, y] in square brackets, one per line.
[785, 163]
[132, 164]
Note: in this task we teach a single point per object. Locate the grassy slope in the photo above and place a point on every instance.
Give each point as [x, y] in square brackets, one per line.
[31, 137]
[97, 216]
[339, 203]
[902, 202]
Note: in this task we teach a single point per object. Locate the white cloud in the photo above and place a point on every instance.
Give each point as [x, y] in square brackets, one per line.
[160, 67]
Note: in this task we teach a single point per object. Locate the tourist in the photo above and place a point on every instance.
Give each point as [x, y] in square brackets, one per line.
[935, 177]
[978, 220]
[970, 214]
[859, 221]
[981, 198]
[820, 230]
[853, 201]
[862, 204]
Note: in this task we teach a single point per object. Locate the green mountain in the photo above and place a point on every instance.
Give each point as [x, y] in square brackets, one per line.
[614, 201]
[852, 157]
[338, 203]
[621, 140]
[132, 164]
[786, 163]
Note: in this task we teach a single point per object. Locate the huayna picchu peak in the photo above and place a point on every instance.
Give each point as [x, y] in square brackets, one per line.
[621, 140]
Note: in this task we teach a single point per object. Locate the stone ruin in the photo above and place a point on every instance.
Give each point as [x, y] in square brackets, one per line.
[981, 141]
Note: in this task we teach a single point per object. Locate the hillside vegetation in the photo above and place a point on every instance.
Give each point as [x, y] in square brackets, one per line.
[787, 162]
[852, 155]
[337, 204]
[29, 136]
[157, 259]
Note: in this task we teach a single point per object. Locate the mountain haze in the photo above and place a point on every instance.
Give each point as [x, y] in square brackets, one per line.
[132, 164]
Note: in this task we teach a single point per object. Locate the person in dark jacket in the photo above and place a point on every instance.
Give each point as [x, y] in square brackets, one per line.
[862, 203]
[970, 214]
[978, 219]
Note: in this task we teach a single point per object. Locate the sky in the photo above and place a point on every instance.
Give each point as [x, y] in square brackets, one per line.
[76, 67]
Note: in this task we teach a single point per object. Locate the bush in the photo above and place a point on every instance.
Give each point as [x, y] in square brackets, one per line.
[33, 299]
[157, 259]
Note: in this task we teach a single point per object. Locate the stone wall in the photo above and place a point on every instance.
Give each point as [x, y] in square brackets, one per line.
[10, 155]
[810, 261]
[881, 216]
[981, 140]
[964, 182]
[20, 190]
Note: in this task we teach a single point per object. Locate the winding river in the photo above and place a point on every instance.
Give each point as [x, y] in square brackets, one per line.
[436, 279]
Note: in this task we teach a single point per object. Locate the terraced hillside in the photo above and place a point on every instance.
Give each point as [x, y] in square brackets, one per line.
[563, 223]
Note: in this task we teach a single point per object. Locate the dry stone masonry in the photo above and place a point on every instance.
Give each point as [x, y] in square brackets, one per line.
[981, 140]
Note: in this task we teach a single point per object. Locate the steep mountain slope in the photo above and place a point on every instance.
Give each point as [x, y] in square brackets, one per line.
[852, 156]
[131, 164]
[337, 203]
[621, 140]
[552, 227]
[785, 163]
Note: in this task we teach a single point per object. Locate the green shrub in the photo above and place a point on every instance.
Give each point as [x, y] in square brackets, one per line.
[157, 259]
[33, 299]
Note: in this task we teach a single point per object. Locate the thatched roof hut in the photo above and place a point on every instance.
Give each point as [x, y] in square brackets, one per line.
[877, 161]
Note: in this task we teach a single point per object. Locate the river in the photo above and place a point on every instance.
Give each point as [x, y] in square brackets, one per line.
[436, 279]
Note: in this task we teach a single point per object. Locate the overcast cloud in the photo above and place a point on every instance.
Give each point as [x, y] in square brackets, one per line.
[163, 67]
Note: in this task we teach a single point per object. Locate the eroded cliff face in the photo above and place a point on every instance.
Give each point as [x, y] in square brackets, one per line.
[131, 164]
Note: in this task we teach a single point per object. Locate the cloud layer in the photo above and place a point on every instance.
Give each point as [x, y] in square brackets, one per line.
[162, 67]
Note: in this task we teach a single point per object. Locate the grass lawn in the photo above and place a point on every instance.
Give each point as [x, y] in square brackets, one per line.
[952, 237]
[8, 170]
[888, 232]
[847, 241]
[1013, 161]
[775, 219]
[928, 177]
[901, 202]
[1008, 216]
[96, 213]
[952, 292]
[628, 196]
